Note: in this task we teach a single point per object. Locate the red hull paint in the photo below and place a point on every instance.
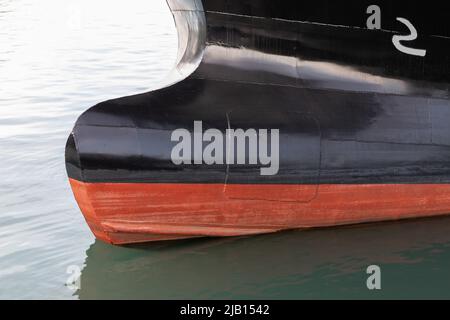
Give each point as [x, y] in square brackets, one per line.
[122, 213]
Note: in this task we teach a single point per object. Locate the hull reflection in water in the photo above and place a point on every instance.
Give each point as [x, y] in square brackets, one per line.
[325, 263]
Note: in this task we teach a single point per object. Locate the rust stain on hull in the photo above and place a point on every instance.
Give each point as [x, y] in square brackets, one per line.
[122, 213]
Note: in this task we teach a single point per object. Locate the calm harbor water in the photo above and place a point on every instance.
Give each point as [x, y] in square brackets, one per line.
[57, 58]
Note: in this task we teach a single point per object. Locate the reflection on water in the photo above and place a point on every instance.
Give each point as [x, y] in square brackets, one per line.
[57, 58]
[414, 257]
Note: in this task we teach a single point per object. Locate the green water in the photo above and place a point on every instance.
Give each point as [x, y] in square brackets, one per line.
[414, 258]
[57, 58]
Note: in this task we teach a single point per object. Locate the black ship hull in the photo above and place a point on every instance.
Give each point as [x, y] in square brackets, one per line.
[277, 116]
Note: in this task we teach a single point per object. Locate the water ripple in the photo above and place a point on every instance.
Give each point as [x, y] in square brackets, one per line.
[60, 58]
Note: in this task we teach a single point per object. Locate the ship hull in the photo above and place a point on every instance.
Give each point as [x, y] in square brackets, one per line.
[123, 213]
[276, 122]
